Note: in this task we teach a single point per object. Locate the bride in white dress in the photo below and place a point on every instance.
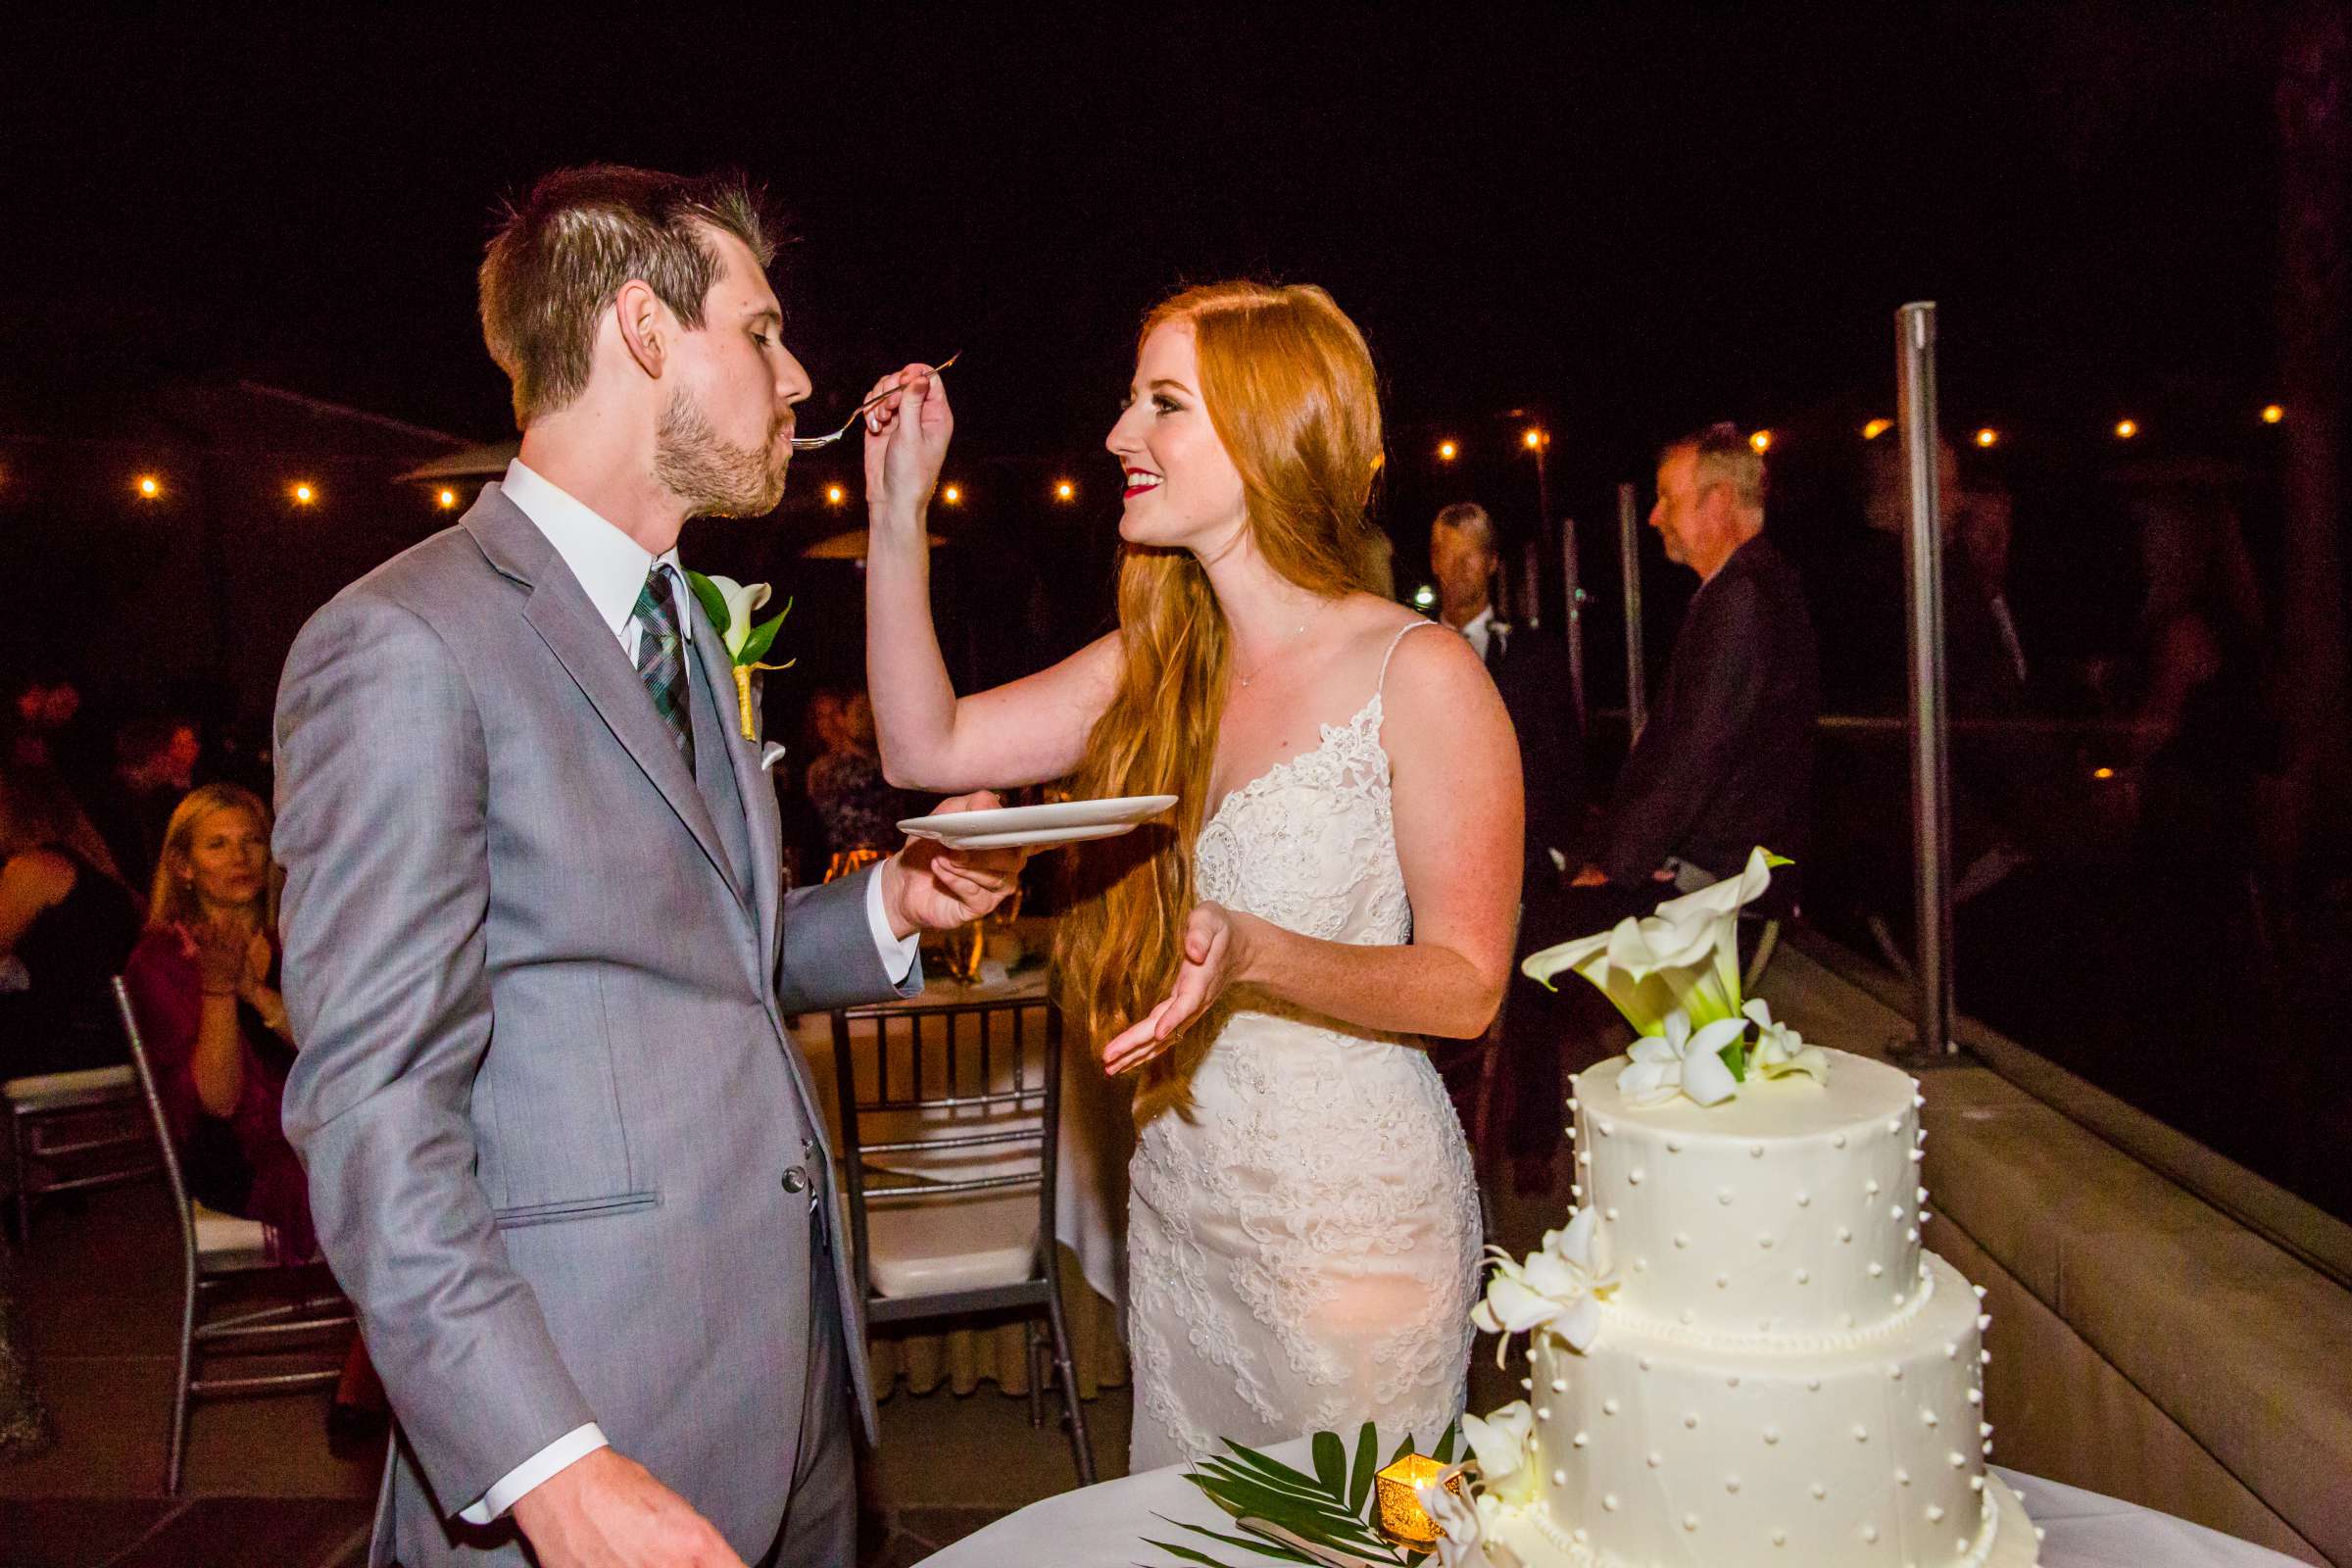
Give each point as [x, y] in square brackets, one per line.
[1341, 881]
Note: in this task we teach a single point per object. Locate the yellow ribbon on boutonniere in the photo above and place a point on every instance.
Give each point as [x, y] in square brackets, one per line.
[729, 605]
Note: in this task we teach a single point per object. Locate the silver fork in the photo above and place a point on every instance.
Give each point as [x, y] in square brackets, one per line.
[809, 443]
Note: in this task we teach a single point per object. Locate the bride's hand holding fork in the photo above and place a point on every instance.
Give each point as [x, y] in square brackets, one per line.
[906, 436]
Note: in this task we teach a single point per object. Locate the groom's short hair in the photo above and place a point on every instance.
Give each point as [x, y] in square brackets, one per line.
[560, 255]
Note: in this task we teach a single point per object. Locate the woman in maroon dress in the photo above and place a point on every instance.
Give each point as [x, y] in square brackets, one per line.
[203, 982]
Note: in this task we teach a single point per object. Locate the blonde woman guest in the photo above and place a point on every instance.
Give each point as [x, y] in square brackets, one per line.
[203, 984]
[1339, 884]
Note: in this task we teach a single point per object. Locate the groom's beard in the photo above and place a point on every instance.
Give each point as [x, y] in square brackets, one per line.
[715, 477]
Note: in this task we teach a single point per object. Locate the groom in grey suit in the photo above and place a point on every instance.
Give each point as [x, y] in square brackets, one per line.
[562, 1153]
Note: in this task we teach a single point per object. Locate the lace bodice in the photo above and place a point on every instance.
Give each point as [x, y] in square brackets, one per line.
[1311, 843]
[1303, 1228]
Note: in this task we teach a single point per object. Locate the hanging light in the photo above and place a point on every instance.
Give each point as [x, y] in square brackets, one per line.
[1534, 439]
[952, 495]
[447, 500]
[1063, 490]
[1447, 452]
[148, 486]
[1876, 428]
[303, 492]
[835, 495]
[2272, 413]
[1761, 440]
[2126, 429]
[1989, 436]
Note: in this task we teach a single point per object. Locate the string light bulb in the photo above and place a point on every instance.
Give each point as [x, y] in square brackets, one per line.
[1063, 490]
[149, 486]
[952, 495]
[1761, 440]
[446, 500]
[303, 492]
[1447, 450]
[1989, 436]
[1534, 439]
[2126, 429]
[835, 495]
[1876, 428]
[2272, 413]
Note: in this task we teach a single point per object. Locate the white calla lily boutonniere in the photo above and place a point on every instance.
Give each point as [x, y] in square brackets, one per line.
[1556, 1287]
[730, 605]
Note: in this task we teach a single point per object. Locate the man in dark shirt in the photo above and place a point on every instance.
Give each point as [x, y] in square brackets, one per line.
[1726, 761]
[1531, 672]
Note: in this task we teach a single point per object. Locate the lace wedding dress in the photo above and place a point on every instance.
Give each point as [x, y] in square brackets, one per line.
[1303, 1237]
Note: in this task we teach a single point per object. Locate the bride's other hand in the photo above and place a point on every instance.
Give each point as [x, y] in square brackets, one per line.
[1217, 950]
[907, 438]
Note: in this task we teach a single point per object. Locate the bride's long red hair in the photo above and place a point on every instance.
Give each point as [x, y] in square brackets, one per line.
[1290, 390]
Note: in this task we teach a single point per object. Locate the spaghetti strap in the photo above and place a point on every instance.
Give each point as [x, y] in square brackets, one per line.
[1403, 632]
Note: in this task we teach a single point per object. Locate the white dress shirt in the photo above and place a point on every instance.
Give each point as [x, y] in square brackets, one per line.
[612, 569]
[1479, 630]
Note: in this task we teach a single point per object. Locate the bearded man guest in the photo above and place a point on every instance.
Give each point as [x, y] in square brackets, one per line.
[562, 1153]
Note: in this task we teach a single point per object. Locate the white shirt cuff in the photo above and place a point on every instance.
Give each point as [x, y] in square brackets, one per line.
[898, 953]
[572, 1446]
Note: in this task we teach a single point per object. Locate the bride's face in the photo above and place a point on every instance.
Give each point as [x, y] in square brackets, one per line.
[1181, 491]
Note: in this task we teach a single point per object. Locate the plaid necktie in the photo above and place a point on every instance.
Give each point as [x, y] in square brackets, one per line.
[661, 658]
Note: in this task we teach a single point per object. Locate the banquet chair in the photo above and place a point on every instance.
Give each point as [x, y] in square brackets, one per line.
[72, 1132]
[218, 1253]
[976, 1084]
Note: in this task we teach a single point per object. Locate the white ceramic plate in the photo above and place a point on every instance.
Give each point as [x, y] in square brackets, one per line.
[1038, 827]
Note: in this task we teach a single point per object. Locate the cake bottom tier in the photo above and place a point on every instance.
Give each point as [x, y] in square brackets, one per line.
[1865, 1449]
[1527, 1537]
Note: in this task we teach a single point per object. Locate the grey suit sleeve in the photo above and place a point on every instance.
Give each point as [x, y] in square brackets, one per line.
[829, 959]
[382, 779]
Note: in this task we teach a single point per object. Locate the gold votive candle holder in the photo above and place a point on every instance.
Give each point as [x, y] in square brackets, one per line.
[1399, 1514]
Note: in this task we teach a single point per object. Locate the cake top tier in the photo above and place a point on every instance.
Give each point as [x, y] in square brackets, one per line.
[1788, 1213]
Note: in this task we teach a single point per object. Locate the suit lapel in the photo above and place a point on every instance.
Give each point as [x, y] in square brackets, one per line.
[762, 826]
[559, 611]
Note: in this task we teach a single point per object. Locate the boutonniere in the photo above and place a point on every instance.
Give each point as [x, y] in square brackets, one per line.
[729, 605]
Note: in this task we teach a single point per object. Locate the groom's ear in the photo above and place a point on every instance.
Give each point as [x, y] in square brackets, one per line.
[648, 328]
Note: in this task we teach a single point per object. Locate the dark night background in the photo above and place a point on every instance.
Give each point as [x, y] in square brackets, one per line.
[1620, 226]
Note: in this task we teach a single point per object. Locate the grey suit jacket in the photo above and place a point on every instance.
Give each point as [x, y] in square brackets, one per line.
[538, 969]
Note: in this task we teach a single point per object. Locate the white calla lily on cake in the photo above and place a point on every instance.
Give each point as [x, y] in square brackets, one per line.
[1558, 1288]
[1675, 975]
[1676, 1061]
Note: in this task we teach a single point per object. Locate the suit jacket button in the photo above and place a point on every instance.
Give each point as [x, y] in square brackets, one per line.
[795, 1180]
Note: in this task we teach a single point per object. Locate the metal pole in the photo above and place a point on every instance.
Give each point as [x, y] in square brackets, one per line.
[1574, 622]
[1531, 576]
[1628, 551]
[1930, 764]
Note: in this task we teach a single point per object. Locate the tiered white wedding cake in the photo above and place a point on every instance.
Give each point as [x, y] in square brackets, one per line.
[1740, 1353]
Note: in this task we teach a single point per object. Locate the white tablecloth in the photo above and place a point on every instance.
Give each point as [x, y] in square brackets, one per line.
[1104, 1527]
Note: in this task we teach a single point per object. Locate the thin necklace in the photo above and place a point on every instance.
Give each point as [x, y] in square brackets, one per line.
[1286, 638]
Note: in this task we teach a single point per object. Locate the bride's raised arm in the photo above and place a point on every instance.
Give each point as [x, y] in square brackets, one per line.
[1023, 732]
